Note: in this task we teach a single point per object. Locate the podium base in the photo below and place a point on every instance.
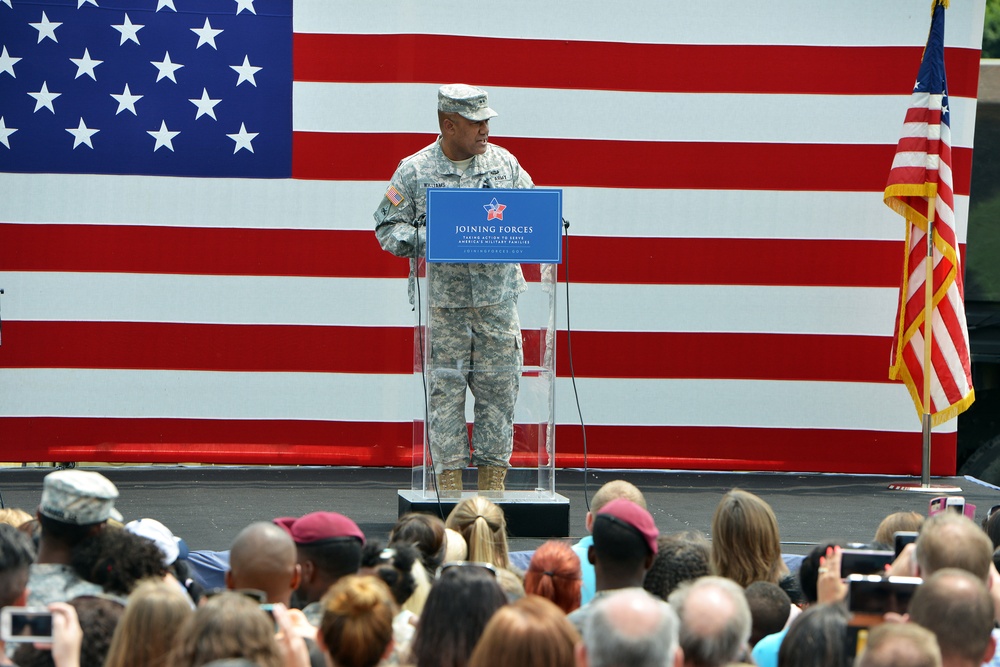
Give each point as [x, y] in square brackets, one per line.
[528, 514]
[920, 488]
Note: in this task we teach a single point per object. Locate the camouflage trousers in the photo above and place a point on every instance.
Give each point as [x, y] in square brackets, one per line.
[478, 348]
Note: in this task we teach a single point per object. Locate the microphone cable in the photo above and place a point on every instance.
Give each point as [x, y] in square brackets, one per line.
[572, 372]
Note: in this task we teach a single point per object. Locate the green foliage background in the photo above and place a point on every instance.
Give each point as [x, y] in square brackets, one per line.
[991, 31]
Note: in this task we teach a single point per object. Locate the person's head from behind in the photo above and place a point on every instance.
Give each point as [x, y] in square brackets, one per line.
[991, 524]
[616, 488]
[769, 608]
[263, 556]
[680, 557]
[630, 627]
[153, 617]
[949, 540]
[394, 565]
[531, 632]
[817, 638]
[328, 547]
[715, 621]
[14, 516]
[554, 574]
[75, 505]
[956, 606]
[746, 542]
[98, 618]
[17, 553]
[356, 630]
[117, 560]
[461, 602]
[228, 625]
[900, 645]
[624, 545]
[895, 523]
[483, 525]
[426, 532]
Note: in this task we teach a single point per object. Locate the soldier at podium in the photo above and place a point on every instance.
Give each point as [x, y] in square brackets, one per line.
[474, 327]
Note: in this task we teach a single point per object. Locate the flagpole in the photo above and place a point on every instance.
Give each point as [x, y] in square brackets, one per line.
[925, 469]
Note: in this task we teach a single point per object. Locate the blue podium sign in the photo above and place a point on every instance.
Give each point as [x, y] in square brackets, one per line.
[494, 225]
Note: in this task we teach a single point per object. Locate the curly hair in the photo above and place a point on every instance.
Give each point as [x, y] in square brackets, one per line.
[680, 557]
[117, 560]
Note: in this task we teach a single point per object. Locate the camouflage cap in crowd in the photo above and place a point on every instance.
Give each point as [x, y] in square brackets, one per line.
[78, 497]
[467, 101]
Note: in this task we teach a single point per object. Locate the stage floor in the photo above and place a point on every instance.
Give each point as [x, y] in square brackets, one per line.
[208, 506]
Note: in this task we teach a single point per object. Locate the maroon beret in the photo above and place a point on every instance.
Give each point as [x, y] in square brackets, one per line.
[319, 526]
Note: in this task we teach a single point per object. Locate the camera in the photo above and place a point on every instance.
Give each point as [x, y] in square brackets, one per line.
[24, 624]
[864, 561]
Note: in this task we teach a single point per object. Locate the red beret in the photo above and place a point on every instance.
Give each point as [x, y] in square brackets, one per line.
[319, 526]
[627, 512]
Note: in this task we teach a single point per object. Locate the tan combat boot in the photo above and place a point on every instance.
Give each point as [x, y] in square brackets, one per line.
[491, 480]
[449, 483]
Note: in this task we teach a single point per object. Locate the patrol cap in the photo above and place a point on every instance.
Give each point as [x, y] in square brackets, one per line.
[78, 497]
[467, 101]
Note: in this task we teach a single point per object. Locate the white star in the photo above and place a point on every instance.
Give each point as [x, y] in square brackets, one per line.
[82, 134]
[245, 4]
[206, 105]
[163, 136]
[81, 3]
[166, 67]
[126, 101]
[7, 2]
[243, 139]
[46, 28]
[86, 65]
[206, 35]
[169, 4]
[5, 132]
[129, 31]
[7, 63]
[246, 71]
[43, 98]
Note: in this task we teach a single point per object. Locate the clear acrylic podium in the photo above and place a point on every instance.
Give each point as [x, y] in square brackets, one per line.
[529, 499]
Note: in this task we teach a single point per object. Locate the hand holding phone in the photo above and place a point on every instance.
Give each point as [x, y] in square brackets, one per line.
[25, 625]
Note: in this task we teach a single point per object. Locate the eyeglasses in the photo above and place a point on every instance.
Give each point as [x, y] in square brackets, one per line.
[465, 563]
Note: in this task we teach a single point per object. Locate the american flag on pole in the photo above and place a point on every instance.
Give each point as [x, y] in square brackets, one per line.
[191, 273]
[922, 172]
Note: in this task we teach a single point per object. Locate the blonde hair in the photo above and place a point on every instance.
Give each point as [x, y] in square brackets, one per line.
[14, 516]
[228, 625]
[357, 621]
[484, 527]
[746, 543]
[616, 488]
[155, 612]
[895, 522]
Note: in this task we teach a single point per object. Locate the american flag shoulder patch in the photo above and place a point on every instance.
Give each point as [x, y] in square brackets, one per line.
[393, 195]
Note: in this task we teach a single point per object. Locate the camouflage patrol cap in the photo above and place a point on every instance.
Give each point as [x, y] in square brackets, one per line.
[467, 101]
[78, 497]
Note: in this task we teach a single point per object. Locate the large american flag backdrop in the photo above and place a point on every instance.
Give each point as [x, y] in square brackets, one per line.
[190, 272]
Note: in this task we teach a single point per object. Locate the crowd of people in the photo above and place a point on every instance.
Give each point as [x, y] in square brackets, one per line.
[316, 591]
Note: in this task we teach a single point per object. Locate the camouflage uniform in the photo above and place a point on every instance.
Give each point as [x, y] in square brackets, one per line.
[53, 582]
[474, 328]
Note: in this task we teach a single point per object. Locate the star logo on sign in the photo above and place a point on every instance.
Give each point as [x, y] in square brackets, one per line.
[82, 134]
[163, 136]
[85, 65]
[243, 139]
[494, 210]
[129, 31]
[206, 35]
[46, 28]
[126, 101]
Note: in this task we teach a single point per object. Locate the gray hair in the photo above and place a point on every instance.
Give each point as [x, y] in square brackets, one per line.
[630, 628]
[715, 620]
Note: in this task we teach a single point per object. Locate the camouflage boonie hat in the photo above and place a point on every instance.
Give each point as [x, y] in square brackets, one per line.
[78, 497]
[467, 101]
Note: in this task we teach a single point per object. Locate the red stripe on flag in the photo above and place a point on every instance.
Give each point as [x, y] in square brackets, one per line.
[701, 68]
[328, 349]
[611, 164]
[378, 444]
[298, 252]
